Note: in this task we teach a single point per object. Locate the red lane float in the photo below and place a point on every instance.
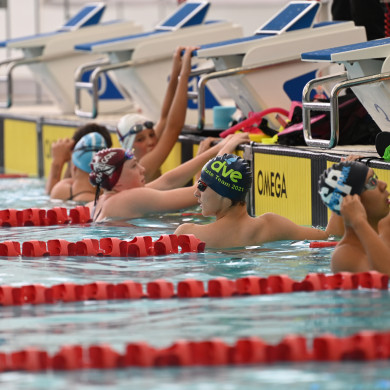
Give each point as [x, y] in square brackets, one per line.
[189, 288]
[54, 216]
[322, 244]
[13, 175]
[109, 247]
[362, 346]
[42, 217]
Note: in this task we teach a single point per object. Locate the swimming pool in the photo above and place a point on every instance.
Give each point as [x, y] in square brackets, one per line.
[160, 322]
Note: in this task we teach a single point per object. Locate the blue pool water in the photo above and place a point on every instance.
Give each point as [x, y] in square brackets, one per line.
[161, 322]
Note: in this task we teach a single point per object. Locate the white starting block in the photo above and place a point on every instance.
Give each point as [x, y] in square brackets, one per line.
[52, 59]
[142, 62]
[367, 73]
[265, 70]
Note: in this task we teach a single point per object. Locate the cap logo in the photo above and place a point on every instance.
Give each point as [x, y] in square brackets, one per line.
[217, 166]
[336, 179]
[107, 157]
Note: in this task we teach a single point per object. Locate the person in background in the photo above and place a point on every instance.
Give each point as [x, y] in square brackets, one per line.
[352, 190]
[77, 187]
[221, 192]
[127, 195]
[150, 143]
[61, 151]
[367, 13]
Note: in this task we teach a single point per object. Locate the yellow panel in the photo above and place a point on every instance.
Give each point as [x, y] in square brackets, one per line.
[173, 160]
[283, 186]
[115, 141]
[20, 147]
[383, 174]
[51, 133]
[328, 165]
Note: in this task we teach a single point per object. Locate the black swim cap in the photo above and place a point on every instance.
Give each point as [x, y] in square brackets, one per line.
[345, 178]
[228, 175]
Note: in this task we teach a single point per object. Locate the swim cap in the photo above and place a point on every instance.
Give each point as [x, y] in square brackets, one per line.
[129, 125]
[85, 149]
[345, 178]
[228, 175]
[107, 167]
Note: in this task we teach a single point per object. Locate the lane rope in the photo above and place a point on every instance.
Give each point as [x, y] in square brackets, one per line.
[139, 246]
[362, 346]
[220, 287]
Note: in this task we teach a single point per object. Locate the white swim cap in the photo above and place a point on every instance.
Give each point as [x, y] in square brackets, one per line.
[128, 126]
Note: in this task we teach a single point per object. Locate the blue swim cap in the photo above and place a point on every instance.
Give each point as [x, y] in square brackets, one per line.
[345, 178]
[228, 175]
[85, 149]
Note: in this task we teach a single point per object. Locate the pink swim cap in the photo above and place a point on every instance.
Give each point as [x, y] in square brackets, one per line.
[107, 167]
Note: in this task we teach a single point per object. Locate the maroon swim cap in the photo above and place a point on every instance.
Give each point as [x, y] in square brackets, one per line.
[107, 167]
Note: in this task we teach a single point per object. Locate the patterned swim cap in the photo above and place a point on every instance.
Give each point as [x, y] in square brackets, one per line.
[345, 178]
[228, 175]
[85, 149]
[129, 126]
[107, 167]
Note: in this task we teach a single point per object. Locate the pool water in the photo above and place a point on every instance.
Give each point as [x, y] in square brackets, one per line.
[161, 322]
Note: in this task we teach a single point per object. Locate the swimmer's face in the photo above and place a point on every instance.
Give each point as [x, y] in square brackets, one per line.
[375, 198]
[211, 203]
[132, 175]
[144, 142]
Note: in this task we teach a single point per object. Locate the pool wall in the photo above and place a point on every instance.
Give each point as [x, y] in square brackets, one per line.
[284, 177]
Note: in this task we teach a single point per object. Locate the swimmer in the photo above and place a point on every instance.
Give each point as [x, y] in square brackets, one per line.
[221, 191]
[151, 144]
[78, 187]
[352, 190]
[61, 152]
[127, 195]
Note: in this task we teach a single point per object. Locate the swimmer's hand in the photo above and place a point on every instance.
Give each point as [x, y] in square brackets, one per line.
[353, 210]
[351, 157]
[206, 144]
[230, 143]
[61, 150]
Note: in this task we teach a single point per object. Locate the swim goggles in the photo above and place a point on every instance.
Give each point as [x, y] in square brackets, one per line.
[86, 149]
[135, 129]
[201, 185]
[372, 183]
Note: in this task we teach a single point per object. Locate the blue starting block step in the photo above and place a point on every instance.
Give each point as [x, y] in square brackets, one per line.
[379, 48]
[89, 15]
[134, 38]
[294, 16]
[189, 14]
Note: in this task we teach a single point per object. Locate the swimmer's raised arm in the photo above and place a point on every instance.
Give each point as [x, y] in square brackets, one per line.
[170, 91]
[61, 151]
[375, 250]
[153, 160]
[182, 174]
[139, 202]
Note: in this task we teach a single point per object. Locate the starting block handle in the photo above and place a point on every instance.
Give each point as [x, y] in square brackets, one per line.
[332, 107]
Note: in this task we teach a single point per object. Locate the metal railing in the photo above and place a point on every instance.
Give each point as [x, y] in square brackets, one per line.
[216, 75]
[332, 106]
[6, 79]
[93, 85]
[16, 62]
